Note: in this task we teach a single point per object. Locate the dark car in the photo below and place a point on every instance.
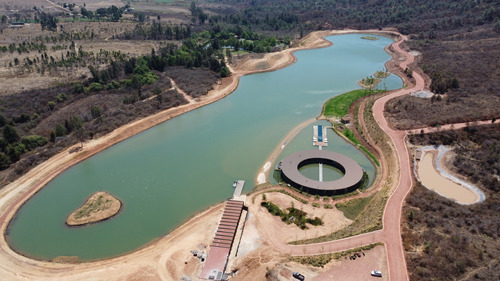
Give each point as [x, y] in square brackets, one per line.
[299, 276]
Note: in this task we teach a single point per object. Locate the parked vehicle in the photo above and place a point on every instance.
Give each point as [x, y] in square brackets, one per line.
[376, 273]
[299, 276]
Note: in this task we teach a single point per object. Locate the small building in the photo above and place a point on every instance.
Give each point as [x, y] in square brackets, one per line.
[346, 119]
[17, 25]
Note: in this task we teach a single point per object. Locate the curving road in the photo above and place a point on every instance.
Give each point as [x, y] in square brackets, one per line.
[390, 235]
[21, 268]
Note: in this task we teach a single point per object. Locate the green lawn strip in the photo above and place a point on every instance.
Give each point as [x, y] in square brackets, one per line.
[323, 259]
[354, 207]
[339, 106]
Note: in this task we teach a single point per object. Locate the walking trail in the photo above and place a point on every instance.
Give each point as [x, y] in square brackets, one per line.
[390, 235]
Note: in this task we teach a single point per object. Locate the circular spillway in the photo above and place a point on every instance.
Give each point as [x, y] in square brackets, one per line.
[353, 173]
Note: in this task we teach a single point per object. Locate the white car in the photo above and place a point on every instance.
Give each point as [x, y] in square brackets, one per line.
[376, 273]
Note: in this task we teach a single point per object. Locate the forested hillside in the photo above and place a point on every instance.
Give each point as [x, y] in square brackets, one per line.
[459, 41]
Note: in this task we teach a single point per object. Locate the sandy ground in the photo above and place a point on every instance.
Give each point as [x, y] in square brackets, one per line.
[359, 269]
[433, 180]
[272, 226]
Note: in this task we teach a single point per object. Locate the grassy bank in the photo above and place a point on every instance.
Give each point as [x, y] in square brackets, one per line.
[353, 208]
[339, 106]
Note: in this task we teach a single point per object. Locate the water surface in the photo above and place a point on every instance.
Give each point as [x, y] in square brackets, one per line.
[168, 173]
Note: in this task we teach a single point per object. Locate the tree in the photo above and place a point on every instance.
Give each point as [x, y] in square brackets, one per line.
[10, 134]
[60, 130]
[15, 150]
[48, 22]
[80, 135]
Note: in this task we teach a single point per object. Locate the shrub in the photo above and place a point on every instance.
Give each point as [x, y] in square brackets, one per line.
[78, 88]
[94, 87]
[51, 105]
[4, 161]
[316, 221]
[34, 141]
[60, 130]
[272, 208]
[21, 119]
[61, 97]
[96, 111]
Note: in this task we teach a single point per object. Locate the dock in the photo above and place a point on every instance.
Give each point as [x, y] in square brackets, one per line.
[320, 136]
[238, 188]
[220, 248]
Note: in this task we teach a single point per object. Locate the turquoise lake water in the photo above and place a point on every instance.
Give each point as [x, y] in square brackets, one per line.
[168, 173]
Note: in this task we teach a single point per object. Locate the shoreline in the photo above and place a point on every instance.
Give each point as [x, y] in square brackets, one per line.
[14, 195]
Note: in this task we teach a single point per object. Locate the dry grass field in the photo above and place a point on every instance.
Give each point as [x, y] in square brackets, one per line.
[14, 79]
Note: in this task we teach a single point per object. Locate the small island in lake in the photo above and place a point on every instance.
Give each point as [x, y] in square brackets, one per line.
[369, 82]
[98, 207]
[373, 38]
[381, 74]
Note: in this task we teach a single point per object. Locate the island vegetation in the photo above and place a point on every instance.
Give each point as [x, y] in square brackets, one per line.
[98, 207]
[372, 38]
[369, 82]
[381, 74]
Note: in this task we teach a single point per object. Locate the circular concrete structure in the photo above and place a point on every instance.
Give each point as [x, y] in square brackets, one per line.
[353, 173]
